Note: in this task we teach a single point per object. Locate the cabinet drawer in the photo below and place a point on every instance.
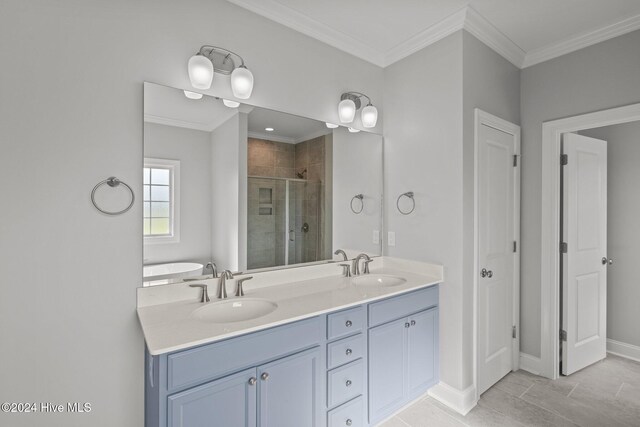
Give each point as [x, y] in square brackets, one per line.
[195, 365]
[349, 414]
[345, 322]
[345, 350]
[403, 305]
[345, 383]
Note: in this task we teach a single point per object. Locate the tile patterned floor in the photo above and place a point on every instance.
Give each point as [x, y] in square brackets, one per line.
[606, 394]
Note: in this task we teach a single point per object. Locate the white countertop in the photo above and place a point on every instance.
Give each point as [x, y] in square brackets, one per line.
[170, 326]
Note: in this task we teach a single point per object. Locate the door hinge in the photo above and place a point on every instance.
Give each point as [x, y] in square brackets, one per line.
[515, 246]
[514, 334]
[563, 335]
[564, 247]
[515, 160]
[564, 160]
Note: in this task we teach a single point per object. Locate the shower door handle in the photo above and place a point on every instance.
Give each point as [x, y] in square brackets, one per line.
[292, 236]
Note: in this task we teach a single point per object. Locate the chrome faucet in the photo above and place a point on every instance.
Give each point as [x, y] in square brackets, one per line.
[222, 284]
[205, 294]
[213, 267]
[356, 264]
[239, 283]
[344, 254]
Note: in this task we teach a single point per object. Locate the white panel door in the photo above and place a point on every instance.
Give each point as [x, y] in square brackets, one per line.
[496, 257]
[584, 265]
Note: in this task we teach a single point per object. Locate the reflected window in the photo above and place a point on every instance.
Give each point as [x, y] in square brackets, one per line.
[160, 198]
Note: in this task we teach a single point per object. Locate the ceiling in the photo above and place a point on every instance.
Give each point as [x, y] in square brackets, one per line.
[524, 31]
[168, 106]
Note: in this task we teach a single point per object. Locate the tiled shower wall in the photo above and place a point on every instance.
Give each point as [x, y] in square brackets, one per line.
[266, 229]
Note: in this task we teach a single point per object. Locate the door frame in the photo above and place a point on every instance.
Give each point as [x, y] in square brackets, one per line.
[484, 118]
[550, 225]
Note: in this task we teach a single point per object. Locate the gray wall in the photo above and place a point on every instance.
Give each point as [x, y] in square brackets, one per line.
[71, 108]
[193, 149]
[598, 77]
[623, 239]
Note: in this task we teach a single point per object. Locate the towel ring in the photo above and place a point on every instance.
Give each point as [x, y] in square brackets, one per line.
[359, 197]
[408, 194]
[113, 182]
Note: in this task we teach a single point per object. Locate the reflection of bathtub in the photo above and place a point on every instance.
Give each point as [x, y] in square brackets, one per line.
[170, 271]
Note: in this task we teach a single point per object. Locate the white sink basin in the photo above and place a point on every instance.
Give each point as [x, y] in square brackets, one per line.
[378, 280]
[235, 310]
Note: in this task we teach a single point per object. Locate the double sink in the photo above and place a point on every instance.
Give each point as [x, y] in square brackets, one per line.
[241, 309]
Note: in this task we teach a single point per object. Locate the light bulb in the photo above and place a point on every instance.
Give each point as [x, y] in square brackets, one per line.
[331, 125]
[230, 104]
[192, 95]
[353, 130]
[346, 110]
[369, 116]
[241, 82]
[200, 72]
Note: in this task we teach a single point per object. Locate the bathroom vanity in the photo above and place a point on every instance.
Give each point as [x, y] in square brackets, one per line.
[337, 351]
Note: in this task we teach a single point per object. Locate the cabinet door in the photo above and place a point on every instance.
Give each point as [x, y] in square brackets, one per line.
[387, 368]
[289, 391]
[227, 402]
[422, 354]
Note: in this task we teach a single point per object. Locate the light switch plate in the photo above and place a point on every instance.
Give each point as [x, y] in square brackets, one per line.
[376, 237]
[391, 239]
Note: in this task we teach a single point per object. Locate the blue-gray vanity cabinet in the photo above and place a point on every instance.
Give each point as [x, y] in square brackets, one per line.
[229, 401]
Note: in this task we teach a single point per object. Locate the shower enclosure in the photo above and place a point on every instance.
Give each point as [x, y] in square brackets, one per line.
[285, 222]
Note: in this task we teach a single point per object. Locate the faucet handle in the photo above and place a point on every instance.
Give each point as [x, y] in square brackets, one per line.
[366, 266]
[205, 292]
[346, 270]
[239, 282]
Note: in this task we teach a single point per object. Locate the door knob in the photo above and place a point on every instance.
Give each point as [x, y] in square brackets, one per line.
[604, 260]
[486, 273]
[265, 376]
[610, 261]
[348, 352]
[252, 381]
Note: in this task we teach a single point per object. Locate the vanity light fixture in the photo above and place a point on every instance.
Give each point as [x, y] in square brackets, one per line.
[350, 103]
[353, 130]
[331, 125]
[230, 104]
[192, 95]
[210, 59]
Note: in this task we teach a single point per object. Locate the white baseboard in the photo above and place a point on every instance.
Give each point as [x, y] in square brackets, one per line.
[622, 349]
[530, 363]
[461, 401]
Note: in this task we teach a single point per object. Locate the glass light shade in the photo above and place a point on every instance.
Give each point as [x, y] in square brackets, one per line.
[192, 95]
[346, 110]
[200, 72]
[231, 104]
[369, 116]
[353, 130]
[331, 125]
[241, 82]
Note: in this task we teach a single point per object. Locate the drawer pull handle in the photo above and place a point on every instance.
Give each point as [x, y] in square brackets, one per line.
[348, 383]
[264, 376]
[348, 352]
[406, 325]
[348, 422]
[252, 381]
[413, 323]
[348, 323]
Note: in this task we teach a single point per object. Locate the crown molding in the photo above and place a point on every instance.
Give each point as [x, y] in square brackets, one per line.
[487, 33]
[581, 41]
[427, 37]
[295, 20]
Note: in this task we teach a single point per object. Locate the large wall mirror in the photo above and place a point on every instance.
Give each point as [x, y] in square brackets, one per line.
[249, 188]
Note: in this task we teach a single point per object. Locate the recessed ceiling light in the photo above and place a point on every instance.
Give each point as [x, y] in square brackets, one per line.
[192, 95]
[269, 129]
[331, 125]
[230, 104]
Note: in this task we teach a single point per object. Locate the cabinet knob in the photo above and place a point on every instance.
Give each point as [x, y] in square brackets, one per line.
[348, 383]
[348, 352]
[413, 323]
[348, 422]
[348, 323]
[264, 376]
[252, 381]
[406, 325]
